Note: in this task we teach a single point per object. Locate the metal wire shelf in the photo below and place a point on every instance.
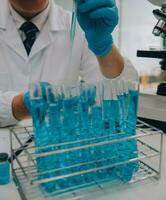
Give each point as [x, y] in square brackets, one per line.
[25, 171]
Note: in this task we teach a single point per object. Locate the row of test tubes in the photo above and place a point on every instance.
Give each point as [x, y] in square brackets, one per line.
[77, 122]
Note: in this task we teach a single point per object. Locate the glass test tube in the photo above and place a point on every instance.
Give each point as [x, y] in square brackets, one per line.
[4, 169]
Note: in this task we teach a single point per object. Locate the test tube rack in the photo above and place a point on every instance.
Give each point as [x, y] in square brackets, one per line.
[25, 171]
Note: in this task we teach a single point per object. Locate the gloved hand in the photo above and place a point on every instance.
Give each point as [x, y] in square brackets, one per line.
[98, 19]
[27, 100]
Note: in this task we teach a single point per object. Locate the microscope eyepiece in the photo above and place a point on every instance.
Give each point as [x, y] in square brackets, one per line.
[160, 28]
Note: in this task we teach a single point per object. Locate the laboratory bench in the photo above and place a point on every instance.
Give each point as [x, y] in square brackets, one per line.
[149, 189]
[152, 109]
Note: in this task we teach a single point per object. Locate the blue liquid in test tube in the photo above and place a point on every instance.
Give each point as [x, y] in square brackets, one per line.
[132, 118]
[54, 114]
[41, 137]
[87, 100]
[72, 121]
[71, 112]
[86, 112]
[109, 122]
[68, 124]
[73, 23]
[126, 147]
[130, 122]
[42, 134]
[4, 169]
[126, 170]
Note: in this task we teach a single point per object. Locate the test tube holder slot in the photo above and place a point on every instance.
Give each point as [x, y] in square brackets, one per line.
[25, 172]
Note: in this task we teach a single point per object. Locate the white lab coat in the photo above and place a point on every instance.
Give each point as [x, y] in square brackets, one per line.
[48, 60]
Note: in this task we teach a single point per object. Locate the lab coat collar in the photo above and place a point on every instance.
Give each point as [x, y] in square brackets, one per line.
[14, 41]
[56, 22]
[12, 38]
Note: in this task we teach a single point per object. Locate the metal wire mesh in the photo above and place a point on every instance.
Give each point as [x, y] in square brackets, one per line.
[26, 173]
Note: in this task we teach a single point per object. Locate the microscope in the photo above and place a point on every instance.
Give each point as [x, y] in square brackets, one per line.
[160, 31]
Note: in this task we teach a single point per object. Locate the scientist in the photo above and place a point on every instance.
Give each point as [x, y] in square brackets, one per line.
[35, 45]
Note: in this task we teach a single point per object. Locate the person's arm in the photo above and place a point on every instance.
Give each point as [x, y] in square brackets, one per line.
[21, 104]
[112, 64]
[98, 19]
[19, 110]
[90, 70]
[6, 114]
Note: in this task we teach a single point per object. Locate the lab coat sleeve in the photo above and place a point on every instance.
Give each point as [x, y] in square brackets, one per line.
[129, 72]
[90, 69]
[6, 115]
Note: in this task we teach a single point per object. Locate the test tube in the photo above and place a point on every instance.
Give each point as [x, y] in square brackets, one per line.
[108, 107]
[127, 147]
[96, 131]
[54, 98]
[132, 120]
[96, 113]
[73, 23]
[133, 109]
[87, 100]
[39, 111]
[108, 114]
[4, 169]
[71, 112]
[39, 106]
[117, 112]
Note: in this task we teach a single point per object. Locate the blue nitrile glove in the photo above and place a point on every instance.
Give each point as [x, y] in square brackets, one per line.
[98, 18]
[27, 101]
